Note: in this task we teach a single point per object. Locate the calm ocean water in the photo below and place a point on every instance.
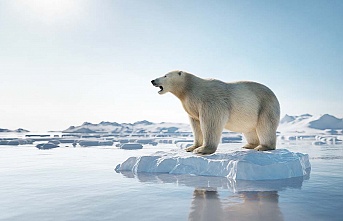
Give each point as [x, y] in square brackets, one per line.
[80, 184]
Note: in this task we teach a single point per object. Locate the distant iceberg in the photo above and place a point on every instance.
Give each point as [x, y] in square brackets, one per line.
[308, 124]
[238, 165]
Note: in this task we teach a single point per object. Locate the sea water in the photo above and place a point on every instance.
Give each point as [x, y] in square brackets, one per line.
[69, 183]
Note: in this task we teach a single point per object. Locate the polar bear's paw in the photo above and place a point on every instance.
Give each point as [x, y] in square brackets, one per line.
[250, 146]
[204, 150]
[191, 148]
[263, 148]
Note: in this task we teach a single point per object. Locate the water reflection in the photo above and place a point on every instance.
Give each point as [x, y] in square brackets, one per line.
[253, 200]
[218, 182]
[251, 205]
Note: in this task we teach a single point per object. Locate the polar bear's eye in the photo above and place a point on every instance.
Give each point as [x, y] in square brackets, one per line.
[165, 76]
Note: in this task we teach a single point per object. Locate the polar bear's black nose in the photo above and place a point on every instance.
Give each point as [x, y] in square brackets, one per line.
[153, 82]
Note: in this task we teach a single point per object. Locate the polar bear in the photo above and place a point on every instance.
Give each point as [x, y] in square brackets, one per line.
[212, 105]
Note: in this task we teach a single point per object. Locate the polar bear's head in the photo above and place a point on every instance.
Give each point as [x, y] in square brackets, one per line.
[171, 82]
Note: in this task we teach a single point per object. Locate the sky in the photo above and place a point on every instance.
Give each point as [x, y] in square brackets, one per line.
[65, 62]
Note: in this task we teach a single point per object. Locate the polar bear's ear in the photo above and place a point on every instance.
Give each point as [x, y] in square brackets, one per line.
[180, 72]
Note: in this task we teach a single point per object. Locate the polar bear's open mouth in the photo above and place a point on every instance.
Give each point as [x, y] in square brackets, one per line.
[157, 85]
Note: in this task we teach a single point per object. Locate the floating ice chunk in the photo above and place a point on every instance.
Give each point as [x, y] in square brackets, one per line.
[232, 138]
[131, 146]
[88, 143]
[240, 165]
[46, 146]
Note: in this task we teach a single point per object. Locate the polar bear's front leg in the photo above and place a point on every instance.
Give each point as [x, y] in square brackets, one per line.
[212, 125]
[198, 137]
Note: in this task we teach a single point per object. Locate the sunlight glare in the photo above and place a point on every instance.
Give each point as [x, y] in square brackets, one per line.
[50, 10]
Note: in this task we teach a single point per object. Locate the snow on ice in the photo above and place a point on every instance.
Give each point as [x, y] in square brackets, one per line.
[239, 165]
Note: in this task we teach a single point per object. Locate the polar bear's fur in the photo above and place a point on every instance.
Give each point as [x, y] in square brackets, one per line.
[212, 105]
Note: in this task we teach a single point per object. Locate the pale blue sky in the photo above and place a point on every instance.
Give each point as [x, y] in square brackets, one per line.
[66, 62]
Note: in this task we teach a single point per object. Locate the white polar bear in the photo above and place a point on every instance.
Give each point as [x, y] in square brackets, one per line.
[212, 105]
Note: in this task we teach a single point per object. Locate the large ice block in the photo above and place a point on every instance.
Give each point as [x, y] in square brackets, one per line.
[240, 165]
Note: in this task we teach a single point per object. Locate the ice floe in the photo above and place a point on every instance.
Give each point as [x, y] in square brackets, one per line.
[239, 165]
[131, 146]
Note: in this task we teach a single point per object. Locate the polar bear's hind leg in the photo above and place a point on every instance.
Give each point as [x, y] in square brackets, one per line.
[266, 130]
[252, 140]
